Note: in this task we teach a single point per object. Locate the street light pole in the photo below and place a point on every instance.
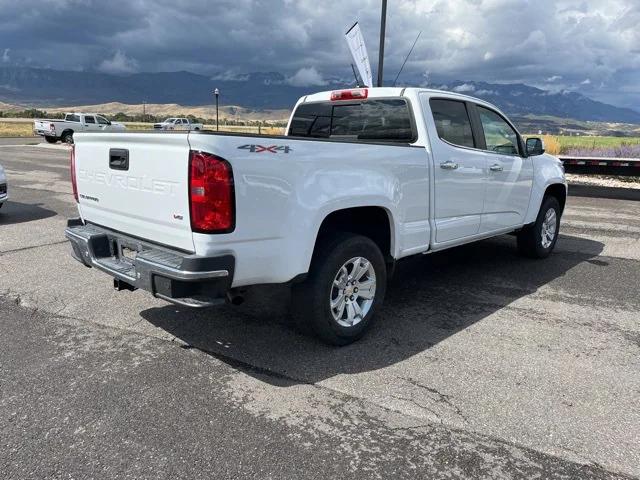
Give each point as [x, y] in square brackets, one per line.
[383, 26]
[216, 92]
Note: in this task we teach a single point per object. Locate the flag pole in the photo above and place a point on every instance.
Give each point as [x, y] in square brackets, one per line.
[383, 25]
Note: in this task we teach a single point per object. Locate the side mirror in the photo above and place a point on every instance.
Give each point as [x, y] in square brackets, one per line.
[534, 147]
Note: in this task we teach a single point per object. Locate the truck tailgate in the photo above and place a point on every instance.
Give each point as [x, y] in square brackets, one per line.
[136, 183]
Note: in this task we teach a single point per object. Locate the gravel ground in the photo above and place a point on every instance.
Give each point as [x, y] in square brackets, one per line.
[604, 181]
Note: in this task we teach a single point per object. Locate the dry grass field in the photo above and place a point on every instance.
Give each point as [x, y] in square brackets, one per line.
[10, 127]
[15, 129]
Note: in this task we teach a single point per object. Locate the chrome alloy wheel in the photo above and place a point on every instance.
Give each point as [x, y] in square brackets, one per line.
[549, 226]
[353, 292]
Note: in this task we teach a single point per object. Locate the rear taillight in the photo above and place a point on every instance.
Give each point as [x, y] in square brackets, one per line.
[211, 194]
[52, 127]
[74, 183]
[353, 94]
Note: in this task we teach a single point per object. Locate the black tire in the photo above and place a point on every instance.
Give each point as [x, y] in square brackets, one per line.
[530, 242]
[311, 299]
[50, 139]
[67, 137]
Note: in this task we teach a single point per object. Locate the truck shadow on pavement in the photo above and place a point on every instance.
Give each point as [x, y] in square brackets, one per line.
[430, 298]
[18, 212]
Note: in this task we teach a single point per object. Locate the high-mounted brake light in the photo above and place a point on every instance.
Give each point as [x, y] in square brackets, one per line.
[211, 194]
[74, 183]
[353, 94]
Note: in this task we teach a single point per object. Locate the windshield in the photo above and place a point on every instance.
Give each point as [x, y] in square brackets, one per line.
[169, 120]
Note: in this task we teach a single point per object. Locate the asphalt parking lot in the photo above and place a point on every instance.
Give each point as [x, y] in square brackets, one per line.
[482, 364]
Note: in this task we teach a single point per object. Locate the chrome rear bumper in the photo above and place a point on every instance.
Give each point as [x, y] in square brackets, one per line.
[181, 278]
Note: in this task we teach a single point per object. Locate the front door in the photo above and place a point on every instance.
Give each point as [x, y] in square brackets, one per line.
[509, 174]
[459, 169]
[90, 123]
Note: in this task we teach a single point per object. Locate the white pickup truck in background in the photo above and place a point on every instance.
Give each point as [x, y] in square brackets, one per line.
[63, 130]
[177, 124]
[363, 178]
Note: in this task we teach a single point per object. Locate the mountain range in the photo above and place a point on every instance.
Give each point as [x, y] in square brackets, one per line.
[267, 90]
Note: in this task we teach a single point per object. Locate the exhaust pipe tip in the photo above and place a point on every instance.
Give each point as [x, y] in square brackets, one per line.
[235, 298]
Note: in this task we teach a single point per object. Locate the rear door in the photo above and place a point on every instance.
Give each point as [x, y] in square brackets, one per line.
[136, 183]
[509, 174]
[459, 168]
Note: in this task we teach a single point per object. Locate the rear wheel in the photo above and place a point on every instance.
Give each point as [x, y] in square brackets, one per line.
[345, 287]
[67, 137]
[539, 239]
[50, 139]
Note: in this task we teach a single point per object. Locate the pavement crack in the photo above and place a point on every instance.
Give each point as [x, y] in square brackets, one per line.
[420, 406]
[439, 397]
[22, 249]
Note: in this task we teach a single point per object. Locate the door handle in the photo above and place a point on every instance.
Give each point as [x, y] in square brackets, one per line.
[449, 165]
[496, 168]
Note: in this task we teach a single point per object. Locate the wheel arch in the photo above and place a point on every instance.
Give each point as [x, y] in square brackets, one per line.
[374, 222]
[559, 191]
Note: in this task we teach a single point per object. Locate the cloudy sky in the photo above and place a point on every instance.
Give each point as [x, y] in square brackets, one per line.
[590, 46]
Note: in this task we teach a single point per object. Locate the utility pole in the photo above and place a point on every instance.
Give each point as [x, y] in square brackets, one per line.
[216, 92]
[144, 111]
[383, 25]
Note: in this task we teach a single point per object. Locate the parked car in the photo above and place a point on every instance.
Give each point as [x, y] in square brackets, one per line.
[4, 191]
[177, 124]
[55, 130]
[363, 178]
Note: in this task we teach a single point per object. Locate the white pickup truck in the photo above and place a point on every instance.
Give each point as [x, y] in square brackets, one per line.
[177, 124]
[362, 178]
[63, 130]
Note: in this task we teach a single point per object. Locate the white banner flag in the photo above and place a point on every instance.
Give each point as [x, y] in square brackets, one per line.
[355, 40]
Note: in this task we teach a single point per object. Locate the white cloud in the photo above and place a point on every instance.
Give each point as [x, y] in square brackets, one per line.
[5, 55]
[586, 82]
[118, 64]
[554, 78]
[230, 76]
[465, 87]
[306, 77]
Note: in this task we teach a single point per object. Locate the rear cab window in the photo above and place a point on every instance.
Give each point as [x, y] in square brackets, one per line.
[372, 120]
[72, 118]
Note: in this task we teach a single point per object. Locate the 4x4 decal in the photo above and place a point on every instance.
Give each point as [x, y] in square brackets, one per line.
[270, 148]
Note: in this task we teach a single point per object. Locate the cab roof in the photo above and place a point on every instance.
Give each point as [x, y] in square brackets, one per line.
[386, 92]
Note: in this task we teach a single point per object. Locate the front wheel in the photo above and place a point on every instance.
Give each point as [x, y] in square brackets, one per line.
[346, 285]
[539, 239]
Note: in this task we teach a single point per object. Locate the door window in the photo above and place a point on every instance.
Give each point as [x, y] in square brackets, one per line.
[102, 120]
[89, 119]
[452, 122]
[498, 134]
